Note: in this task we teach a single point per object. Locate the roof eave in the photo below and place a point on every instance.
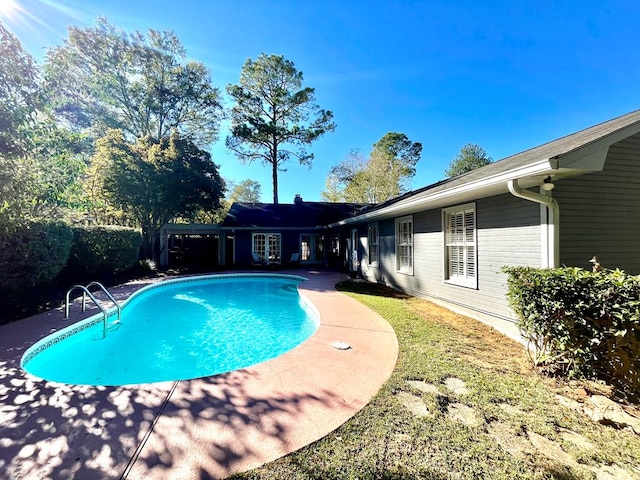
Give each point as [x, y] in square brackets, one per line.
[268, 228]
[587, 156]
[435, 198]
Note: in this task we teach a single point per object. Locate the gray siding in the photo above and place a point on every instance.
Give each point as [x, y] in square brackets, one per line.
[600, 212]
[508, 233]
[599, 215]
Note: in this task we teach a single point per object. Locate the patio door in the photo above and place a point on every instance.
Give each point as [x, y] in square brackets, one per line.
[267, 246]
[312, 249]
[353, 251]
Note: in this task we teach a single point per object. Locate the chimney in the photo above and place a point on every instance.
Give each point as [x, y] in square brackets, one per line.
[298, 199]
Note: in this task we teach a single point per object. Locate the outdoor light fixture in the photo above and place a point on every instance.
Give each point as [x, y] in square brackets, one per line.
[547, 184]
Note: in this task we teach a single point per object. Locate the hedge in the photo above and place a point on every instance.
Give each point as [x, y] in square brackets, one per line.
[585, 324]
[33, 254]
[103, 250]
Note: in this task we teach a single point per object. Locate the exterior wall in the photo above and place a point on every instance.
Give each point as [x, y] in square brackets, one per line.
[508, 233]
[600, 212]
[599, 215]
[290, 243]
[242, 248]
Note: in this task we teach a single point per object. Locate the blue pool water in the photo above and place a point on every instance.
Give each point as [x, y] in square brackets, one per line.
[181, 329]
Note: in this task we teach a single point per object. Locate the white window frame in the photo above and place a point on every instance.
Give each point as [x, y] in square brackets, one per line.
[459, 225]
[404, 245]
[373, 244]
[270, 251]
[305, 247]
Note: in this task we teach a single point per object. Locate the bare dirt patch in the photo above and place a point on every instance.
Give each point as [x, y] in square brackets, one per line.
[510, 441]
[479, 344]
[424, 386]
[469, 416]
[508, 424]
[486, 348]
[414, 404]
[456, 386]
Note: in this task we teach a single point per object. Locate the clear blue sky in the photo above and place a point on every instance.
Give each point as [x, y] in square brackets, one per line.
[507, 75]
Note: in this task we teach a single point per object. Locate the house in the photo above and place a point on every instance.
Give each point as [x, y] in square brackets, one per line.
[270, 234]
[556, 204]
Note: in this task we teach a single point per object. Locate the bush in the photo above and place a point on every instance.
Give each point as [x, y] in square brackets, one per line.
[586, 324]
[33, 254]
[103, 250]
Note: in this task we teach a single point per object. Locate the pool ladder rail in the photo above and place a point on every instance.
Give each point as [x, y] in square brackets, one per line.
[85, 293]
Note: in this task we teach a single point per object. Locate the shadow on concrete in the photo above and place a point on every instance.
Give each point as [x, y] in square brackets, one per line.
[201, 428]
[215, 427]
[173, 429]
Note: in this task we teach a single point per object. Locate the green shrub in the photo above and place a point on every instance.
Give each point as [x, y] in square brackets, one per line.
[585, 323]
[103, 250]
[33, 254]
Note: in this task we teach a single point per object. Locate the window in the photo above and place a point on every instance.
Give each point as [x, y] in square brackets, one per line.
[460, 245]
[373, 240]
[305, 247]
[267, 246]
[404, 245]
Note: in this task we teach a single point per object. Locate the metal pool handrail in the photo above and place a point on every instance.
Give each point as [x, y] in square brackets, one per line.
[106, 292]
[85, 292]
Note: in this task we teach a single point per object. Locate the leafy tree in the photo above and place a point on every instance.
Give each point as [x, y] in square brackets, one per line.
[156, 182]
[401, 150]
[273, 110]
[346, 182]
[105, 78]
[333, 190]
[18, 93]
[33, 176]
[43, 182]
[384, 174]
[18, 81]
[470, 157]
[17, 181]
[61, 157]
[248, 191]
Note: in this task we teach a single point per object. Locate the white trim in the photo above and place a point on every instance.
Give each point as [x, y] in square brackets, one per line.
[268, 255]
[376, 262]
[408, 270]
[353, 254]
[305, 256]
[465, 279]
[439, 198]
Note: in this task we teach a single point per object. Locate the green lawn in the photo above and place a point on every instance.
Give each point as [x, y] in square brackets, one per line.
[462, 403]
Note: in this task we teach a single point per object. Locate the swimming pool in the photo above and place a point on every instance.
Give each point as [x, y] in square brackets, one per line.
[181, 329]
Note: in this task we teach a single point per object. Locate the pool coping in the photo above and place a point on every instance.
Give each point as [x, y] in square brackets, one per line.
[204, 428]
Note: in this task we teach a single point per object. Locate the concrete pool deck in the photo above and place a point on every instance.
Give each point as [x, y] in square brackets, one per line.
[192, 429]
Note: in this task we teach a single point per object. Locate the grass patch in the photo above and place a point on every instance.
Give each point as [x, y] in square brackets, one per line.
[482, 412]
